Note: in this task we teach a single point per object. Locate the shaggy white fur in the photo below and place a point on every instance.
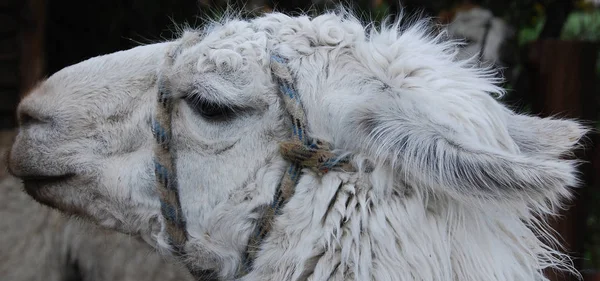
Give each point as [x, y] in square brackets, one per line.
[452, 185]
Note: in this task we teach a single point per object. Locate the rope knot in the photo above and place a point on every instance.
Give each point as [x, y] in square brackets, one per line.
[317, 156]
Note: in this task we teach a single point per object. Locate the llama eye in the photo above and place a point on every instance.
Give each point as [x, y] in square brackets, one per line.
[210, 110]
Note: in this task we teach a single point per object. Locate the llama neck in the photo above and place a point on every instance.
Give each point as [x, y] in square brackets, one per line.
[362, 227]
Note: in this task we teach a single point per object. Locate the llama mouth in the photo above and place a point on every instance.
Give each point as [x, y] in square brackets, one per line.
[34, 185]
[45, 180]
[40, 188]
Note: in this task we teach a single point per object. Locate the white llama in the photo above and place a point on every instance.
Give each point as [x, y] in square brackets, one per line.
[485, 34]
[434, 179]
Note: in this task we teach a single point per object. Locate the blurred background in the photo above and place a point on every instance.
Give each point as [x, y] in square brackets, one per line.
[548, 51]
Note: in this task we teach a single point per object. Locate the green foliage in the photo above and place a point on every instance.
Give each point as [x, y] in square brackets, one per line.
[531, 33]
[582, 25]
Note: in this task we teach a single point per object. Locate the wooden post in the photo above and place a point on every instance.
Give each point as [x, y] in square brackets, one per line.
[562, 80]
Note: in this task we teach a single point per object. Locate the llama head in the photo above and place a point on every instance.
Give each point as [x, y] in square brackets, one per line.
[397, 97]
[484, 32]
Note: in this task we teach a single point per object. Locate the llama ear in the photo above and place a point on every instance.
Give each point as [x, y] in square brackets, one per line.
[431, 153]
[545, 136]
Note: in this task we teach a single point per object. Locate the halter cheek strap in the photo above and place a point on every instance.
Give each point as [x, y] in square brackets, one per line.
[164, 170]
[166, 179]
[301, 151]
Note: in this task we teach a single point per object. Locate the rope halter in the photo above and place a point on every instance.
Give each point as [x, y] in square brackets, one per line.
[301, 151]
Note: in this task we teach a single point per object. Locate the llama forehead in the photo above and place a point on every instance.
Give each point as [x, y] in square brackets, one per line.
[289, 37]
[108, 80]
[238, 37]
[228, 62]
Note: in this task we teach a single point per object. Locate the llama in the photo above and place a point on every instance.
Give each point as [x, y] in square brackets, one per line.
[420, 174]
[486, 35]
[37, 243]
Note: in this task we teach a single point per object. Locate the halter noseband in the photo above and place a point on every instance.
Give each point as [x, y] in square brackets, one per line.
[301, 151]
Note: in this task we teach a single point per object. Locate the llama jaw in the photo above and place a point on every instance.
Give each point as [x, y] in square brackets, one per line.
[59, 186]
[61, 193]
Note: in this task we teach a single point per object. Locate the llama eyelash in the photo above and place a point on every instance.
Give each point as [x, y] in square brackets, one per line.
[216, 111]
[210, 110]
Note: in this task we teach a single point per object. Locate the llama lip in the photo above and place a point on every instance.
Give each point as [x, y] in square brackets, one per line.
[44, 189]
[41, 188]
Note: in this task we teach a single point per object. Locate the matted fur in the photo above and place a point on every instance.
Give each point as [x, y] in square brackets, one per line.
[457, 187]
